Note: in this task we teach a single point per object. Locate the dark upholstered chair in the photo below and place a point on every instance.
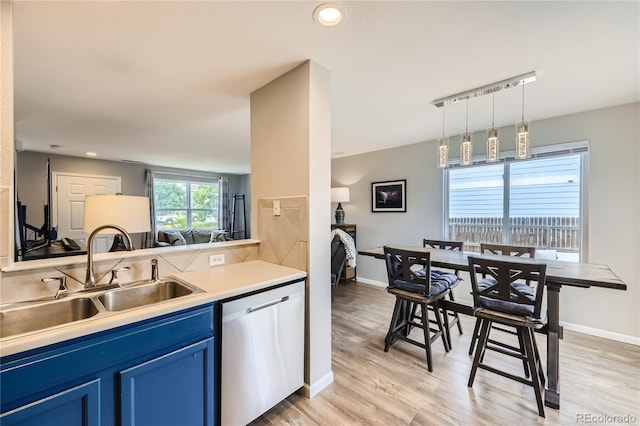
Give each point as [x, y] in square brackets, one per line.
[338, 260]
[453, 318]
[502, 295]
[409, 274]
[504, 250]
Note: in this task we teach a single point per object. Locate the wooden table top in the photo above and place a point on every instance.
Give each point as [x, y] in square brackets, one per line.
[558, 272]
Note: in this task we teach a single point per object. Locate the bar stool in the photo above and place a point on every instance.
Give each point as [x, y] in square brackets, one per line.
[503, 298]
[409, 274]
[452, 317]
[503, 250]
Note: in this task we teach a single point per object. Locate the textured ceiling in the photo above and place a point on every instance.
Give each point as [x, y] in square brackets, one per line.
[168, 82]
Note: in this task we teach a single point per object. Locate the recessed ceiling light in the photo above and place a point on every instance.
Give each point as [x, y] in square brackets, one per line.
[91, 154]
[327, 14]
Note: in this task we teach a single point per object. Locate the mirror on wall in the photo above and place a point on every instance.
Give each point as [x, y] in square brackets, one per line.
[50, 191]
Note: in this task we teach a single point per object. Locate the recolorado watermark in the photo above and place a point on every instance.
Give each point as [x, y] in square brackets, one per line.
[590, 418]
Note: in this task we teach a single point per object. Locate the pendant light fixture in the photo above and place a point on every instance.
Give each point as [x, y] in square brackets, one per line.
[522, 135]
[466, 148]
[493, 143]
[443, 148]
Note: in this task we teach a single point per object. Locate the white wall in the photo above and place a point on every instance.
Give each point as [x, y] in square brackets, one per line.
[613, 209]
[290, 157]
[6, 131]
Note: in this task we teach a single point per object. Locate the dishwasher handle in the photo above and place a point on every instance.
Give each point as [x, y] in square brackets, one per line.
[266, 305]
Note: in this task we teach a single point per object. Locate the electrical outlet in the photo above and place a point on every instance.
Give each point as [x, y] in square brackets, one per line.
[216, 259]
[276, 207]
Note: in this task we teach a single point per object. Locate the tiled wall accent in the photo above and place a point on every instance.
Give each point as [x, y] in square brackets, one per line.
[284, 238]
[22, 285]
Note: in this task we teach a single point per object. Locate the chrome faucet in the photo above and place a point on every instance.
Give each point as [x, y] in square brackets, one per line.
[62, 289]
[90, 280]
[154, 270]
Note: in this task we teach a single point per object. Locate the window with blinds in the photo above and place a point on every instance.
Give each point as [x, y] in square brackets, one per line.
[535, 202]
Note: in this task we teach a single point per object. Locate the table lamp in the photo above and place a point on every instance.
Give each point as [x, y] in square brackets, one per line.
[339, 195]
[129, 212]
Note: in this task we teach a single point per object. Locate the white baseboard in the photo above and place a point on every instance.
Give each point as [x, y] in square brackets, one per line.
[372, 282]
[312, 390]
[624, 338]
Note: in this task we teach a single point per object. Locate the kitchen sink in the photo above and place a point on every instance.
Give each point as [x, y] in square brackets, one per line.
[35, 317]
[142, 295]
[102, 302]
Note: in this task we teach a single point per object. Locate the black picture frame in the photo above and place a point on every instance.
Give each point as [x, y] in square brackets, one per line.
[389, 196]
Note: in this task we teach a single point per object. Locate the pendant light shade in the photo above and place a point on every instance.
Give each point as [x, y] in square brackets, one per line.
[443, 148]
[466, 150]
[443, 153]
[493, 146]
[493, 143]
[522, 140]
[466, 147]
[522, 135]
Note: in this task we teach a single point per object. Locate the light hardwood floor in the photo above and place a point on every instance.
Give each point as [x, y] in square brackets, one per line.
[599, 377]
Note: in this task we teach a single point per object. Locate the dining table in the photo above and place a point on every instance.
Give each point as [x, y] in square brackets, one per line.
[559, 274]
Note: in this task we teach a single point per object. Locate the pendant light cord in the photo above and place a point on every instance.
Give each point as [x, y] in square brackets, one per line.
[523, 102]
[466, 126]
[493, 110]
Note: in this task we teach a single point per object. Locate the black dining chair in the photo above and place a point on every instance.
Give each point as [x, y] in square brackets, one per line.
[453, 318]
[409, 274]
[504, 250]
[501, 295]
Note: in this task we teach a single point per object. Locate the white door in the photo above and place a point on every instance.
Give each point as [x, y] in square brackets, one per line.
[68, 204]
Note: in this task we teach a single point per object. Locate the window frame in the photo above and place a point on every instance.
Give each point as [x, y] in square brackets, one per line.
[580, 148]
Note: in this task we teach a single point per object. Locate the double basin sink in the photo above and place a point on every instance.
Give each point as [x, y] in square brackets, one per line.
[87, 304]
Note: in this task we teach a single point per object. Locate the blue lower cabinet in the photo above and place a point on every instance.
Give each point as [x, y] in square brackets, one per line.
[175, 389]
[76, 406]
[156, 372]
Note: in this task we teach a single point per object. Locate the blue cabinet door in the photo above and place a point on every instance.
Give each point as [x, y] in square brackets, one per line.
[174, 389]
[79, 406]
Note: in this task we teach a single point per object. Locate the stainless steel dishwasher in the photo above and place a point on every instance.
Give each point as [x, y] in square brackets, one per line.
[262, 351]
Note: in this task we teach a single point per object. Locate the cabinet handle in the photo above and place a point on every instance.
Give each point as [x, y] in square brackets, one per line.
[266, 305]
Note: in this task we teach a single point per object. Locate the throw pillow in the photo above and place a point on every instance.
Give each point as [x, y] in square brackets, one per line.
[201, 235]
[174, 238]
[217, 236]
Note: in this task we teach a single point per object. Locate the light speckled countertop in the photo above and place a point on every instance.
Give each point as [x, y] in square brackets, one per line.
[218, 283]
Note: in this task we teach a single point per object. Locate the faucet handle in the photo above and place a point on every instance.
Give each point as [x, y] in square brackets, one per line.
[154, 270]
[114, 274]
[62, 288]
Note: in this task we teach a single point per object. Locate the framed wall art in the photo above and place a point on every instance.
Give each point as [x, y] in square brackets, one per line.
[389, 196]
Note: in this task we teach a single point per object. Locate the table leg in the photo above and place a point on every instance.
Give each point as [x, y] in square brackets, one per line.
[554, 334]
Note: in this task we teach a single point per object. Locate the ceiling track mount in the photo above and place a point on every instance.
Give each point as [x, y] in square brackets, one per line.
[529, 77]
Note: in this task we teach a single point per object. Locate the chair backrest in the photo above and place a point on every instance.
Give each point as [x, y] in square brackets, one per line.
[338, 256]
[444, 245]
[503, 289]
[409, 270]
[504, 250]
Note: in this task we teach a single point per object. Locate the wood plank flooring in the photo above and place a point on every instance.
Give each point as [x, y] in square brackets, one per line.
[599, 377]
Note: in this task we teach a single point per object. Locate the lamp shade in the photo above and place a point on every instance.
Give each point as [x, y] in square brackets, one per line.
[339, 195]
[129, 212]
